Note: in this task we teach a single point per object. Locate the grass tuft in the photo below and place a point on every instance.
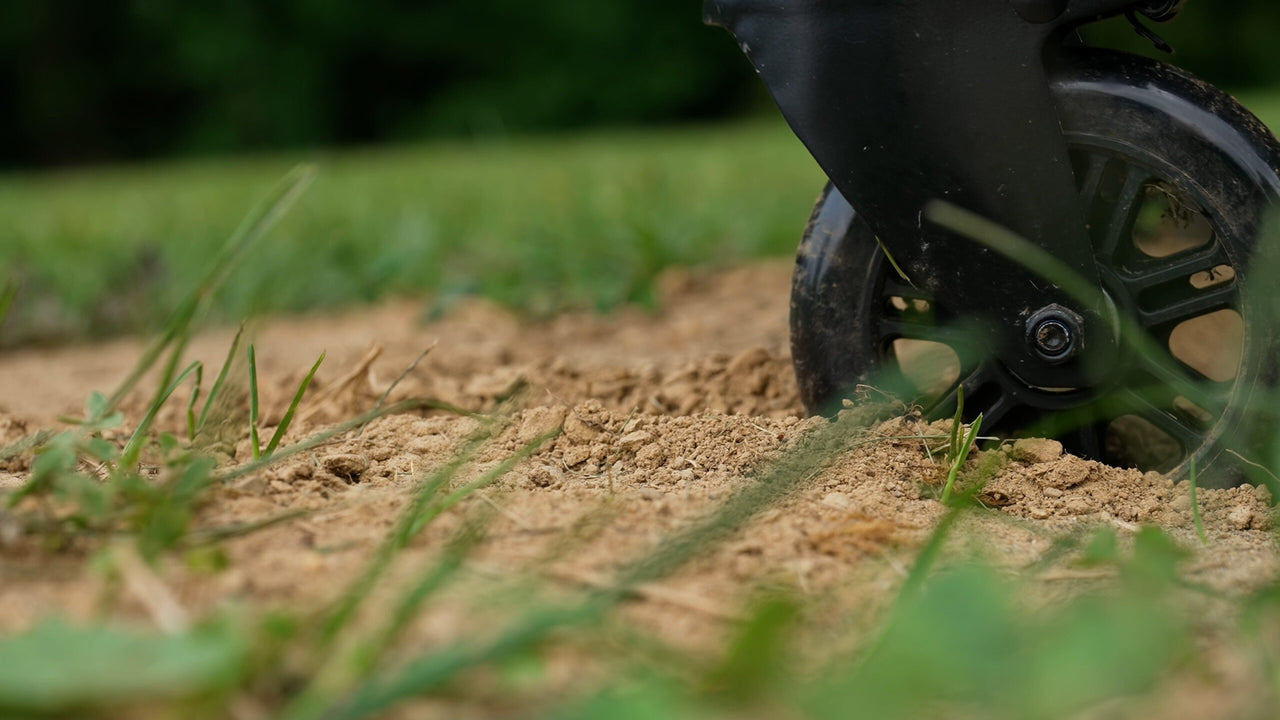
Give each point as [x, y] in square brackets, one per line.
[959, 457]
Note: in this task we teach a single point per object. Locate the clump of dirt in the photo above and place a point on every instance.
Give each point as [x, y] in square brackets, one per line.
[1040, 482]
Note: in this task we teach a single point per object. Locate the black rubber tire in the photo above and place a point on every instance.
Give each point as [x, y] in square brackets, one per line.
[1149, 115]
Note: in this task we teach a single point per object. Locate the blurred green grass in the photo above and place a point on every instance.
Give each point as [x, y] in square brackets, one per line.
[540, 224]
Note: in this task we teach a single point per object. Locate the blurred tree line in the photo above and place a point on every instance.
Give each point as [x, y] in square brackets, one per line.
[91, 79]
[85, 80]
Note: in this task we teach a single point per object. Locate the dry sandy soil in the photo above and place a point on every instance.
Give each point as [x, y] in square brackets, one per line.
[663, 414]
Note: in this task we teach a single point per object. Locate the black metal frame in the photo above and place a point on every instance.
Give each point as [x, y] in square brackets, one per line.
[905, 101]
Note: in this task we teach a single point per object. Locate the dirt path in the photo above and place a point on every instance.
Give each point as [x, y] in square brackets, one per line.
[663, 416]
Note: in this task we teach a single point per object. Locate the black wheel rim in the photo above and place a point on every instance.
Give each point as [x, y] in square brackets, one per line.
[1165, 264]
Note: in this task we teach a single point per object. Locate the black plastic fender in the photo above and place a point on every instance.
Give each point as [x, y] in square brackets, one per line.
[906, 101]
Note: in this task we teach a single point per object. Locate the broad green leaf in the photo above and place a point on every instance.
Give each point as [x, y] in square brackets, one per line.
[56, 667]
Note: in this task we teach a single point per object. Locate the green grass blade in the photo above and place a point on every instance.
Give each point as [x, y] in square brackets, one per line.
[928, 556]
[404, 374]
[216, 390]
[488, 478]
[253, 404]
[191, 403]
[175, 354]
[255, 225]
[894, 263]
[797, 466]
[431, 671]
[958, 461]
[466, 539]
[1015, 247]
[343, 671]
[133, 448]
[421, 510]
[211, 535]
[293, 407]
[165, 519]
[356, 593]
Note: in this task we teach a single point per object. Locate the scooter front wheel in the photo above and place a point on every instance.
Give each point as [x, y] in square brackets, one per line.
[1175, 178]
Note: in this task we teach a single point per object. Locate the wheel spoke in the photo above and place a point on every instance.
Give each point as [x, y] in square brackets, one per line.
[1196, 376]
[919, 328]
[1118, 224]
[1176, 267]
[1091, 177]
[1184, 306]
[1188, 437]
[1176, 378]
[995, 411]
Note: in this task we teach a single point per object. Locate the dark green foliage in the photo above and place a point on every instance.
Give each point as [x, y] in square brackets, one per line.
[132, 78]
[1230, 43]
[129, 78]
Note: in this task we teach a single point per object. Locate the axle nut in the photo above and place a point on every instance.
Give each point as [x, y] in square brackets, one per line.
[1054, 332]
